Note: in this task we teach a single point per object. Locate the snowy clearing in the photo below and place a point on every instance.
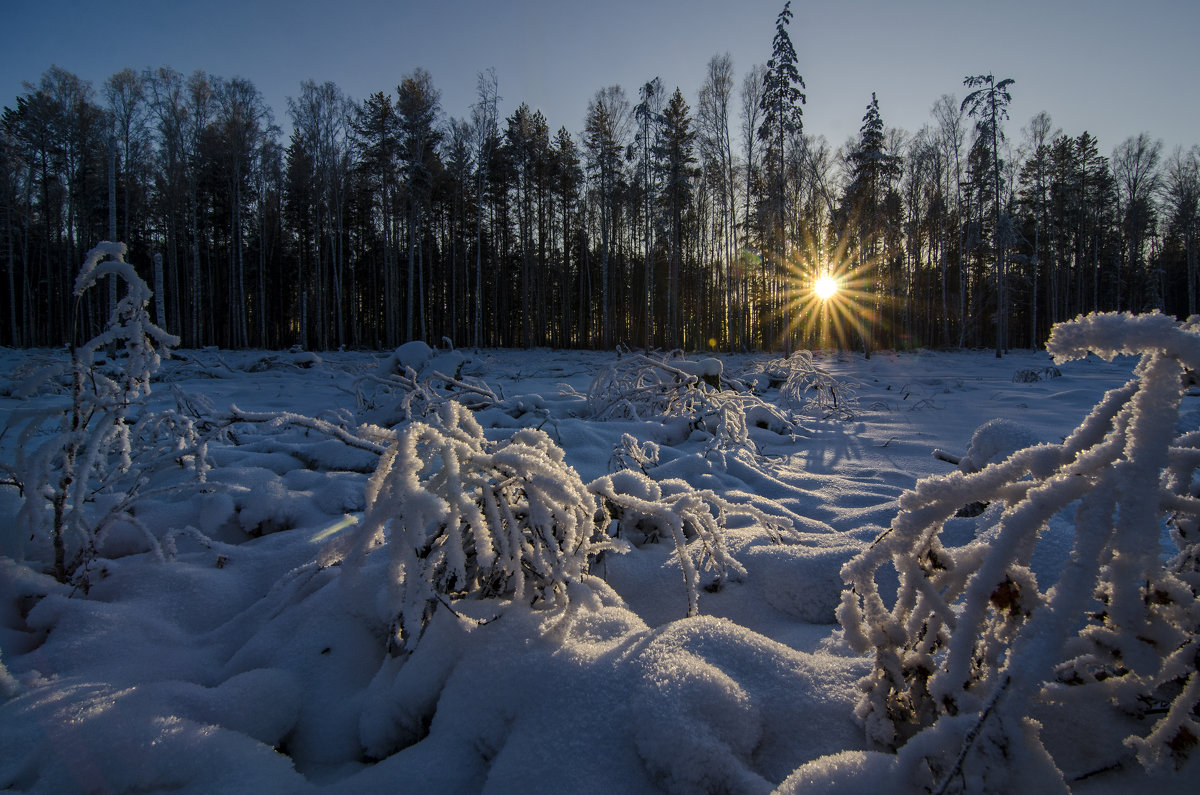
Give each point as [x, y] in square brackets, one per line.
[251, 632]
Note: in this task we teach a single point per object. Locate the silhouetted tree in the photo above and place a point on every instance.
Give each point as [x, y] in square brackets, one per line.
[988, 103]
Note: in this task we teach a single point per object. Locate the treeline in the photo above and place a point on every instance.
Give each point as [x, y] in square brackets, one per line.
[661, 224]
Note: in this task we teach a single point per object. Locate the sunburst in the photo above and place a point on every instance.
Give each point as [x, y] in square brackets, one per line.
[832, 303]
[826, 287]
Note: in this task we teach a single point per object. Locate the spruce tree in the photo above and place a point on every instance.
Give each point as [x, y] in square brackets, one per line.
[566, 187]
[781, 101]
[376, 131]
[606, 128]
[873, 169]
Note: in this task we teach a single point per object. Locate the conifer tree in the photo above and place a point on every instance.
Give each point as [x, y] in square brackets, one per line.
[873, 169]
[1033, 176]
[989, 103]
[781, 101]
[678, 162]
[377, 142]
[528, 140]
[567, 181]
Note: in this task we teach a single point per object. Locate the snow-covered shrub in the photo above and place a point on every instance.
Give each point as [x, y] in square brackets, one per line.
[390, 399]
[708, 369]
[294, 358]
[993, 441]
[641, 387]
[412, 355]
[398, 393]
[806, 386]
[972, 642]
[695, 519]
[99, 448]
[464, 517]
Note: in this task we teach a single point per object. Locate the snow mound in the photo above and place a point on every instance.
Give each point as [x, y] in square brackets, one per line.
[995, 441]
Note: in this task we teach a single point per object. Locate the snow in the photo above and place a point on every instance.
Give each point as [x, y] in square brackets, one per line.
[258, 653]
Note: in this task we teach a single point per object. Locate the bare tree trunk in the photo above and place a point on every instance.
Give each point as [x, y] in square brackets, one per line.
[160, 311]
[14, 337]
[412, 265]
[1189, 254]
[112, 220]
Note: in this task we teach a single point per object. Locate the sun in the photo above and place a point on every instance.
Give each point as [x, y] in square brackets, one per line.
[826, 287]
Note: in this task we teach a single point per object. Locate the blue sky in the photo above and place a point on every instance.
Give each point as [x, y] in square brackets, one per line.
[1113, 68]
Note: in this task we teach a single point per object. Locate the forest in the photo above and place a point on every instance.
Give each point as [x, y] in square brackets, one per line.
[663, 223]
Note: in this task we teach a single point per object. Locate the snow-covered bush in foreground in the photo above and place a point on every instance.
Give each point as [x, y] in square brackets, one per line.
[100, 448]
[973, 643]
[468, 518]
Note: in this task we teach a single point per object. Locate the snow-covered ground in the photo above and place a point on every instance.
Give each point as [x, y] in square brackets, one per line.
[236, 652]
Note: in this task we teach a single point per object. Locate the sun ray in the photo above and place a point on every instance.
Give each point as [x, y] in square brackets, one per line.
[832, 301]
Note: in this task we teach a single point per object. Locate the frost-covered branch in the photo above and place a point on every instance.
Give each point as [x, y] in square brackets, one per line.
[640, 386]
[967, 618]
[399, 397]
[370, 438]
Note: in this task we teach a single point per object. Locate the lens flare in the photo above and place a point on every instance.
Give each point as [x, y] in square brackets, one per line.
[826, 287]
[832, 298]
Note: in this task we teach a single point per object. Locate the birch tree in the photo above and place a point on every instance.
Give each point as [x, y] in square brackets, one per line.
[716, 148]
[484, 130]
[1182, 184]
[1135, 166]
[320, 124]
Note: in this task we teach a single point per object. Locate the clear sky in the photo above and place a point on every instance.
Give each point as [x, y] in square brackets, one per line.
[1114, 68]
